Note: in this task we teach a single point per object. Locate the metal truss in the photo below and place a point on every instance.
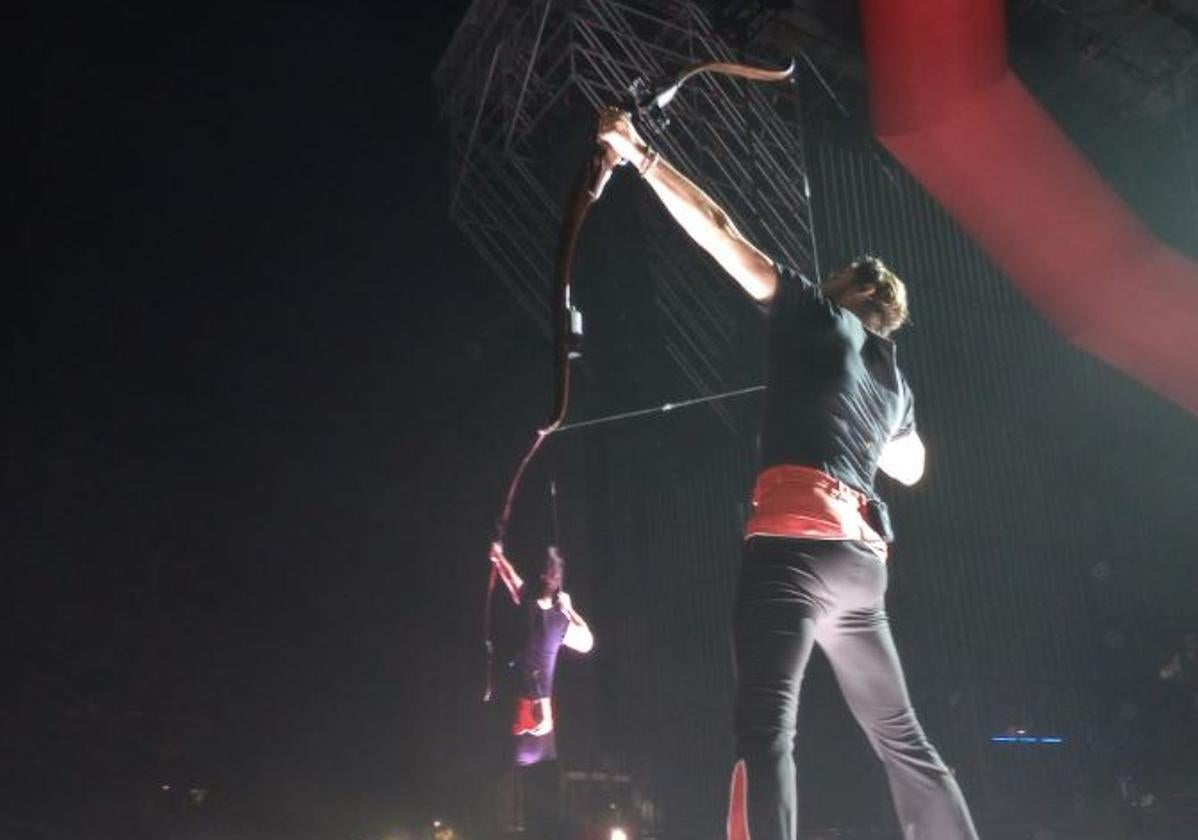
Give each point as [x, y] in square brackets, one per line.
[742, 20]
[519, 77]
[1153, 44]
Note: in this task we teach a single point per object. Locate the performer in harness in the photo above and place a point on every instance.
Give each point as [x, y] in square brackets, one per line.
[551, 622]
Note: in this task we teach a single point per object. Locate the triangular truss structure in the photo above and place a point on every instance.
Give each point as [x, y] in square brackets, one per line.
[517, 81]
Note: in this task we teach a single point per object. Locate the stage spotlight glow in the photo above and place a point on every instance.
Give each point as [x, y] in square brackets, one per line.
[618, 833]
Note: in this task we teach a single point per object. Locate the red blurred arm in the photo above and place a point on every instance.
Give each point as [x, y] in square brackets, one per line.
[945, 103]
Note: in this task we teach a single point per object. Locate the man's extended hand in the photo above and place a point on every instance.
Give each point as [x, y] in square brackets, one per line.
[617, 132]
[497, 552]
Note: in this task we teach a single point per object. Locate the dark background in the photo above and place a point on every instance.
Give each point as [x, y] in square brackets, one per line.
[262, 404]
[245, 412]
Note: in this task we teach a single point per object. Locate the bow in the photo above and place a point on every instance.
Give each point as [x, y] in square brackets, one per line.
[650, 100]
[648, 103]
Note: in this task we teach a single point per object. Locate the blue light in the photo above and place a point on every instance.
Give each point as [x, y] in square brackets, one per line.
[1026, 739]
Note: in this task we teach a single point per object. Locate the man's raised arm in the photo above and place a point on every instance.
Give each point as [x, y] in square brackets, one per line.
[694, 210]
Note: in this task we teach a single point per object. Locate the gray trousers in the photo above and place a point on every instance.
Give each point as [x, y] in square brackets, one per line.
[794, 594]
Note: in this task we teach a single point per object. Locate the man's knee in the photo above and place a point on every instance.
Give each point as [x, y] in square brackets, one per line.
[764, 741]
[900, 732]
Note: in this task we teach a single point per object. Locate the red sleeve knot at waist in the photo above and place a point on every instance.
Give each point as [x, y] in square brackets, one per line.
[803, 502]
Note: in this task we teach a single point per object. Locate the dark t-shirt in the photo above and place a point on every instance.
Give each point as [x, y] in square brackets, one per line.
[546, 630]
[835, 395]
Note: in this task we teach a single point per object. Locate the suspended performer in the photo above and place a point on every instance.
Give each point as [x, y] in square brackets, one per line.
[551, 621]
[814, 557]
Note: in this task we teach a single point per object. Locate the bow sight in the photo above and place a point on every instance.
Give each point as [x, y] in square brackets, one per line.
[649, 100]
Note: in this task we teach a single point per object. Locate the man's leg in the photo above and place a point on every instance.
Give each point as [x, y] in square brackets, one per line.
[929, 803]
[775, 630]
